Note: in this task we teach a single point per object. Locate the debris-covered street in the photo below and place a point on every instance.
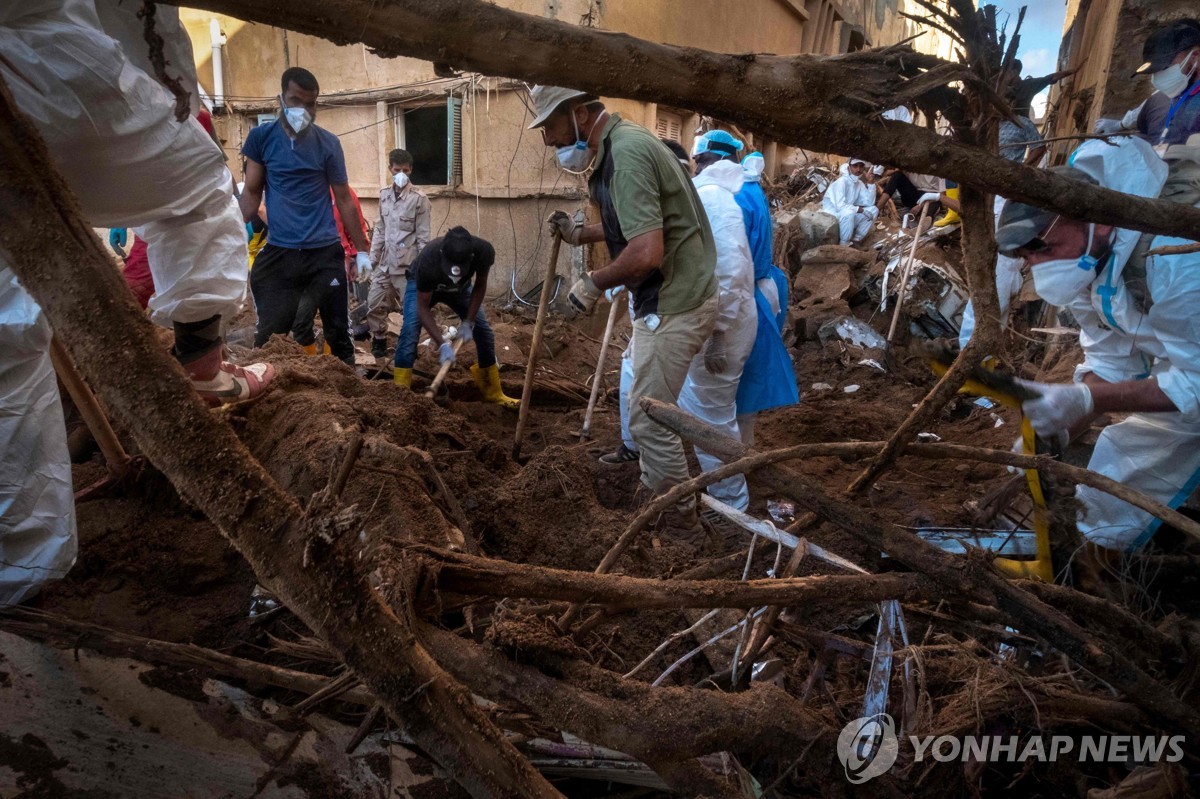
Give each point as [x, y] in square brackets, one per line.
[417, 495]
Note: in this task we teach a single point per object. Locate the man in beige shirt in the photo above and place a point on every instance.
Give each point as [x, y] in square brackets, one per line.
[400, 232]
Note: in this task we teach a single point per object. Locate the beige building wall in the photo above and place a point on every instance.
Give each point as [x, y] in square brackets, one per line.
[506, 181]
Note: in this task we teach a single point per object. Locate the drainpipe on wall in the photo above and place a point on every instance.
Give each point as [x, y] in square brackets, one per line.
[218, 64]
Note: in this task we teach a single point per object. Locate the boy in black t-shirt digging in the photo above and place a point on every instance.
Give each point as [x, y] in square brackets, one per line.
[452, 270]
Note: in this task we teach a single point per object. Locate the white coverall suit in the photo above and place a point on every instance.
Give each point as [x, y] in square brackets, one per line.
[1155, 453]
[853, 203]
[713, 397]
[111, 129]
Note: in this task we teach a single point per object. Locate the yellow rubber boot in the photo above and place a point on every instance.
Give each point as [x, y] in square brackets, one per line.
[311, 349]
[488, 381]
[950, 217]
[402, 377]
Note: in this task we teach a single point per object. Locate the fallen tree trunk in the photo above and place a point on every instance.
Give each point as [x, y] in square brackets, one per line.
[60, 262]
[465, 574]
[973, 578]
[827, 104]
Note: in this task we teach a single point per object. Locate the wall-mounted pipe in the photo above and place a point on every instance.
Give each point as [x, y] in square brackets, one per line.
[218, 63]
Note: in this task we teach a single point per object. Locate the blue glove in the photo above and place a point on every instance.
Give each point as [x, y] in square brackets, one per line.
[446, 353]
[117, 237]
[466, 332]
[249, 231]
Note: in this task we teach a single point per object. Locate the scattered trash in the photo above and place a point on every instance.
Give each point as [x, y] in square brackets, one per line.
[851, 331]
[984, 402]
[782, 511]
[822, 387]
[958, 541]
[262, 601]
[928, 437]
[999, 421]
[874, 364]
[850, 389]
[768, 671]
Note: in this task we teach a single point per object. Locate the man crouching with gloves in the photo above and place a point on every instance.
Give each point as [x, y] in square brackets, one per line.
[1140, 336]
[662, 250]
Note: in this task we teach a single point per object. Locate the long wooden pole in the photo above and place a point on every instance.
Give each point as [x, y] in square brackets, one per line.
[89, 408]
[536, 345]
[585, 432]
[904, 273]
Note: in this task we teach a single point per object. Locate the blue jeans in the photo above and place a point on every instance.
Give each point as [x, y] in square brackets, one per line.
[410, 331]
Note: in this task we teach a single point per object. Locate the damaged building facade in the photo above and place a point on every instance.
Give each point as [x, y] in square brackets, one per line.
[474, 157]
[1105, 86]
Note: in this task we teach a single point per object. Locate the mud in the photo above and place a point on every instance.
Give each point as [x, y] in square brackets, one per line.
[150, 565]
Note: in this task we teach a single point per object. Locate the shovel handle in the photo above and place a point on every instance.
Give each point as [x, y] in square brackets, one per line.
[456, 345]
[585, 432]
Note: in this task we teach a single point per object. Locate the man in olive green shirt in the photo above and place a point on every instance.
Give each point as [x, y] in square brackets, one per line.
[662, 250]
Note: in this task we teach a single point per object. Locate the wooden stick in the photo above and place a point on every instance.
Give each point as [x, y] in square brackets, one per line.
[39, 625]
[535, 345]
[364, 728]
[585, 432]
[904, 273]
[93, 415]
[1176, 249]
[431, 392]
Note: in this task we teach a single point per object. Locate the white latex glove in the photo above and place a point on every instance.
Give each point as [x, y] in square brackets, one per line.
[362, 263]
[583, 294]
[715, 359]
[1059, 408]
[564, 226]
[466, 332]
[611, 294]
[446, 353]
[929, 197]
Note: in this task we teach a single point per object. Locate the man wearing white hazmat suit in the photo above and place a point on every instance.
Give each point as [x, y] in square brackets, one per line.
[852, 202]
[1140, 335]
[710, 391]
[113, 131]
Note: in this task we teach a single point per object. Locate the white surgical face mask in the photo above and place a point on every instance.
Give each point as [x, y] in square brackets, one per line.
[298, 119]
[400, 179]
[575, 158]
[1060, 281]
[1175, 78]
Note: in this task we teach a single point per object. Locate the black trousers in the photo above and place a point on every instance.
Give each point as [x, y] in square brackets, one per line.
[291, 286]
[898, 182]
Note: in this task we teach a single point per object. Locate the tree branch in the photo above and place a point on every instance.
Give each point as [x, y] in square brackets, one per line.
[797, 100]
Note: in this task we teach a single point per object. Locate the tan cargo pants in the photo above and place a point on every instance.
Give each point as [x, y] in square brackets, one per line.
[663, 348]
[386, 295]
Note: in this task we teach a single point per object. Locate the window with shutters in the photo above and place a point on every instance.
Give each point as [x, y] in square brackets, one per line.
[432, 133]
[669, 126]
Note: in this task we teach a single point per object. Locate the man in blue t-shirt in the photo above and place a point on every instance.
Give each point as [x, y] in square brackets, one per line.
[302, 262]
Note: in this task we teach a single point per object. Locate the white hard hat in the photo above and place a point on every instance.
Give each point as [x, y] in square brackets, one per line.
[546, 99]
